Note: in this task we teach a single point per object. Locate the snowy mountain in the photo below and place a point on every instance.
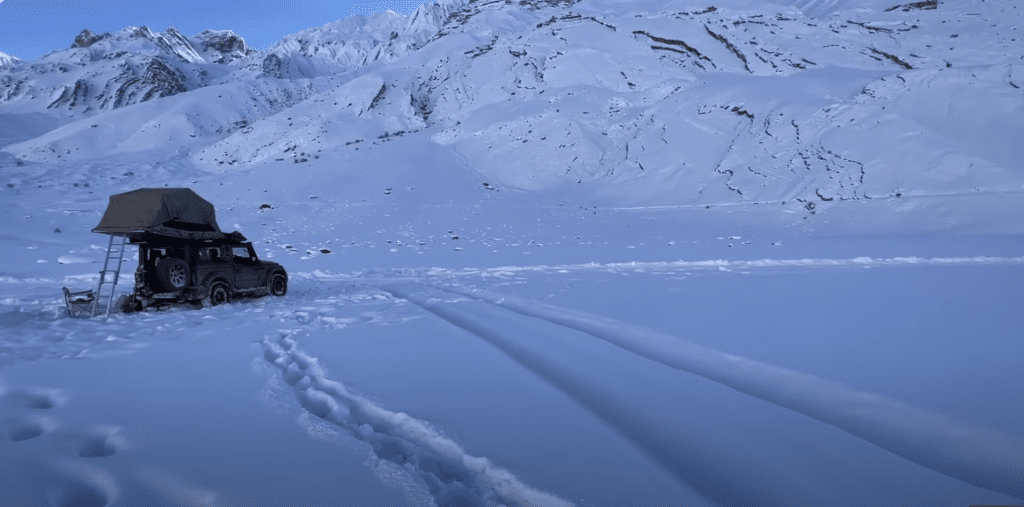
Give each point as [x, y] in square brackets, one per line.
[102, 72]
[646, 103]
[352, 43]
[8, 60]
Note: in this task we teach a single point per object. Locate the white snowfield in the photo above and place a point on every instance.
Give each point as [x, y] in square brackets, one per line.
[437, 419]
[540, 253]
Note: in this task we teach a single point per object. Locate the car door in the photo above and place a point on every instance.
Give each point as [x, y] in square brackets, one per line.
[247, 270]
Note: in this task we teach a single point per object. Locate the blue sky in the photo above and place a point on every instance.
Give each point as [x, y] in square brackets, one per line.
[31, 28]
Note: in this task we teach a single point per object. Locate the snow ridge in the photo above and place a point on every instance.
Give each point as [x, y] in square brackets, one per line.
[102, 72]
[439, 464]
[971, 453]
[351, 43]
[7, 60]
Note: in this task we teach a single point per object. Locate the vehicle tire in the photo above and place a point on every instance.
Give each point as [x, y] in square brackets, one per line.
[171, 274]
[129, 304]
[220, 294]
[279, 284]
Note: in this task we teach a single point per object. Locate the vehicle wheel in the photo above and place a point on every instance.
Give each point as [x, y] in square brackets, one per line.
[219, 294]
[129, 304]
[171, 274]
[279, 285]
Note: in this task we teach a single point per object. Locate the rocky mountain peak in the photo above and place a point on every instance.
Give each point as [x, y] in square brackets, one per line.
[221, 46]
[170, 42]
[142, 32]
[7, 60]
[110, 70]
[86, 38]
[173, 42]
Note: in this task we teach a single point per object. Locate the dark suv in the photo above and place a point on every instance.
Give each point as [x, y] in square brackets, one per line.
[197, 271]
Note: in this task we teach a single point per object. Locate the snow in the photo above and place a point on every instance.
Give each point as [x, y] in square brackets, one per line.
[534, 261]
[8, 60]
[928, 439]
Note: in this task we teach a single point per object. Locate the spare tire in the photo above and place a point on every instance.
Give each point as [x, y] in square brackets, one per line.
[171, 274]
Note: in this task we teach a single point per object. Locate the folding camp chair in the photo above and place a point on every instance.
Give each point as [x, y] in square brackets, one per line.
[79, 304]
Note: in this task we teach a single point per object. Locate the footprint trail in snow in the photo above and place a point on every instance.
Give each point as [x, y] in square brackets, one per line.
[452, 476]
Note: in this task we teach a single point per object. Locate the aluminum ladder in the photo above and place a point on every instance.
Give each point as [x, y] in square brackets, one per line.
[115, 253]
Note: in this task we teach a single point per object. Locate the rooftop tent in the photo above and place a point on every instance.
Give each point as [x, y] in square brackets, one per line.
[177, 212]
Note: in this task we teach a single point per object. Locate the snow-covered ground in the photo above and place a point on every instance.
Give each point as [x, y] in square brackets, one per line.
[559, 287]
[377, 381]
[345, 393]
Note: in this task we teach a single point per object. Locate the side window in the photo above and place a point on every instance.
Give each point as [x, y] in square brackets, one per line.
[240, 251]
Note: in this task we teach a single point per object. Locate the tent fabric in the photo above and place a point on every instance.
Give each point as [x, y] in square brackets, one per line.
[177, 212]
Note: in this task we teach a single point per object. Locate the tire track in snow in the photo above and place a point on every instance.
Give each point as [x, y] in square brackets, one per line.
[722, 264]
[453, 477]
[732, 480]
[965, 451]
[377, 276]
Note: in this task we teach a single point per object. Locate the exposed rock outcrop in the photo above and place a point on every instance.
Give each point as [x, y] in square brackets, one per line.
[86, 38]
[221, 46]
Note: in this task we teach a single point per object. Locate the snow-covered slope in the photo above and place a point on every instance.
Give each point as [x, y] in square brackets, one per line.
[711, 105]
[102, 72]
[637, 103]
[351, 43]
[7, 60]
